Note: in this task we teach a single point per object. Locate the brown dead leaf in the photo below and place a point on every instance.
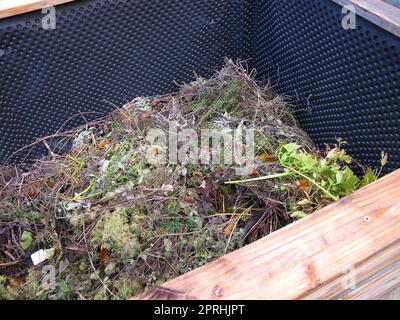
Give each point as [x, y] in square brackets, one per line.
[303, 184]
[198, 174]
[16, 282]
[32, 192]
[103, 144]
[104, 254]
[189, 200]
[156, 150]
[50, 184]
[267, 157]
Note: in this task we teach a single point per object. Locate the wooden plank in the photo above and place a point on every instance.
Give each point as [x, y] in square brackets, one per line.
[378, 12]
[372, 278]
[10, 8]
[311, 259]
[392, 295]
[378, 286]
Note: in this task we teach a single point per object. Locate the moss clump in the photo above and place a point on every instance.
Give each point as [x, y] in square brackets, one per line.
[114, 233]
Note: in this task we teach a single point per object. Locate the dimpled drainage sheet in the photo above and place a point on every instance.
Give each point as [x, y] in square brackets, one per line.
[103, 54]
[344, 83]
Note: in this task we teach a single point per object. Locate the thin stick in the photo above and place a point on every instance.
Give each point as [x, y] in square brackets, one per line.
[334, 198]
[273, 176]
[9, 264]
[92, 265]
[234, 227]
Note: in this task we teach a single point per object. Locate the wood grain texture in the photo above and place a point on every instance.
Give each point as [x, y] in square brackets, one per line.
[378, 12]
[357, 237]
[392, 295]
[380, 9]
[9, 8]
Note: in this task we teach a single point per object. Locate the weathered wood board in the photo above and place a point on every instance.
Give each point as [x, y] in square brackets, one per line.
[9, 8]
[348, 250]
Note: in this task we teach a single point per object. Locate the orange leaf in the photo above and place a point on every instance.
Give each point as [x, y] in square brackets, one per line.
[32, 192]
[17, 281]
[103, 144]
[267, 157]
[253, 172]
[156, 150]
[104, 254]
[304, 184]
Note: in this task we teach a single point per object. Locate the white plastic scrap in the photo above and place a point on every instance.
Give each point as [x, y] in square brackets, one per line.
[41, 255]
[142, 103]
[82, 137]
[77, 204]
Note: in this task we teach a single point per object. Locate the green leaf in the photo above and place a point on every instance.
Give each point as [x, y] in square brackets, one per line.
[368, 177]
[339, 177]
[293, 206]
[26, 240]
[304, 202]
[290, 147]
[349, 182]
[298, 215]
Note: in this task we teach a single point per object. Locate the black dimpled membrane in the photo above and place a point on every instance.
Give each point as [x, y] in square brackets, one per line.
[343, 83]
[102, 54]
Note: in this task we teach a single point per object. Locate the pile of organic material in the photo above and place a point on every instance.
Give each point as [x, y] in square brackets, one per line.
[142, 196]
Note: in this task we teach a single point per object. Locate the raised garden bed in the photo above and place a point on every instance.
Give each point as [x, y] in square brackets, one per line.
[126, 225]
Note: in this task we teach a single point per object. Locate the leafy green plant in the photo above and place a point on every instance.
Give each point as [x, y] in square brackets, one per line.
[324, 179]
[26, 240]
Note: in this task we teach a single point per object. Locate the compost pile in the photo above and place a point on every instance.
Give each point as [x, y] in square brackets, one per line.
[104, 221]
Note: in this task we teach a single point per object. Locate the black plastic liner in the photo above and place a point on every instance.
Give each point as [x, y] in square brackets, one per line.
[343, 83]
